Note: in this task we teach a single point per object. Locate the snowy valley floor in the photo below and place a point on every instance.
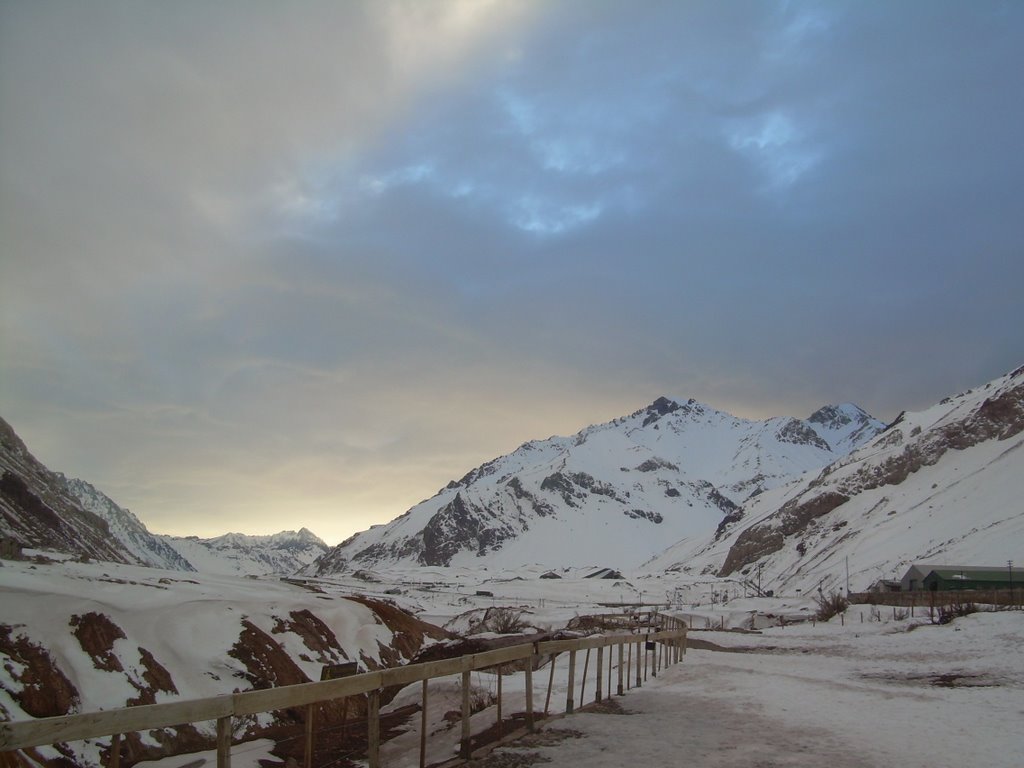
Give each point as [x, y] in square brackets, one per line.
[859, 696]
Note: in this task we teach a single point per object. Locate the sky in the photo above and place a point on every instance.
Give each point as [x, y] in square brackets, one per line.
[266, 265]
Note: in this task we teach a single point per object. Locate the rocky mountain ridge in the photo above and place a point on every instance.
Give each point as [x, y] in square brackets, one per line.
[943, 483]
[673, 468]
[283, 553]
[43, 509]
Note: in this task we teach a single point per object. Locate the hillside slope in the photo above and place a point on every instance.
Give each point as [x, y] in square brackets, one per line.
[628, 486]
[39, 509]
[943, 484]
[80, 637]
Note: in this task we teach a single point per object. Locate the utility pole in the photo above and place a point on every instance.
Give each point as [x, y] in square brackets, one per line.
[759, 567]
[847, 575]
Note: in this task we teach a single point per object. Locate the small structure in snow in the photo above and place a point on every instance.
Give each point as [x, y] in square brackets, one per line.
[943, 578]
[550, 575]
[10, 548]
[884, 585]
[605, 573]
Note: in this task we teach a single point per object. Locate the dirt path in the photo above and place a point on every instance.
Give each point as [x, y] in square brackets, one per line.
[656, 726]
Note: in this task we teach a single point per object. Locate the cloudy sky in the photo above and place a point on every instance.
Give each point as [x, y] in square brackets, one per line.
[272, 264]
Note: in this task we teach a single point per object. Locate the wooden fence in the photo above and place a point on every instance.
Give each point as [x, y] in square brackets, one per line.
[927, 598]
[653, 650]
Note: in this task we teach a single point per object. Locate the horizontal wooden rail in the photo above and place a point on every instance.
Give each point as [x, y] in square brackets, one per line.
[22, 734]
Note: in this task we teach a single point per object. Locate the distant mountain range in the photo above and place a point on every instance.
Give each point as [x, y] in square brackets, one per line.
[42, 509]
[614, 493]
[677, 485]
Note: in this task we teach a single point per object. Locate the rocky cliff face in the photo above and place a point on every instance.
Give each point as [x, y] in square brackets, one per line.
[42, 509]
[906, 447]
[39, 510]
[669, 470]
[940, 484]
[148, 548]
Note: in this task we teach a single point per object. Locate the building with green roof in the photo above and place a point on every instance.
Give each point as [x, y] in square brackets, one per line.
[944, 578]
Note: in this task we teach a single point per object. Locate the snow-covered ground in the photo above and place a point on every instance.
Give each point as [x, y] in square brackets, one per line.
[855, 696]
[867, 692]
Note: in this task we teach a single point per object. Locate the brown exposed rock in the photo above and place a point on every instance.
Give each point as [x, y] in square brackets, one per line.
[316, 635]
[37, 509]
[45, 691]
[155, 678]
[96, 633]
[266, 663]
[997, 418]
[409, 632]
[769, 537]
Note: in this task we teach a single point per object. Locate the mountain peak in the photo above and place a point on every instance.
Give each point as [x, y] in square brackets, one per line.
[660, 407]
[836, 416]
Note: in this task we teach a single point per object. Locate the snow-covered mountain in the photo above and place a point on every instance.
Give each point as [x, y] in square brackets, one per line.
[626, 488]
[940, 485]
[238, 554]
[43, 509]
[40, 509]
[149, 549]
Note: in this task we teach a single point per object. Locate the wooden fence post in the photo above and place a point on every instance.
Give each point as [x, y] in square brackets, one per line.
[639, 663]
[586, 666]
[551, 680]
[572, 683]
[600, 674]
[373, 729]
[608, 690]
[308, 752]
[423, 727]
[499, 701]
[115, 751]
[464, 750]
[529, 694]
[224, 742]
[620, 691]
[629, 665]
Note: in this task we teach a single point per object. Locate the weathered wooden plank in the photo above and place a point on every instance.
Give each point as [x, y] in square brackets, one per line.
[500, 656]
[44, 731]
[287, 696]
[51, 730]
[414, 673]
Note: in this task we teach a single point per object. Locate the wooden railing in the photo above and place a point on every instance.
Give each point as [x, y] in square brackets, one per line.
[926, 598]
[654, 650]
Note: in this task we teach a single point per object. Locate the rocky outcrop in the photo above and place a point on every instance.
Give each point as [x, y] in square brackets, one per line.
[895, 455]
[40, 689]
[42, 509]
[764, 539]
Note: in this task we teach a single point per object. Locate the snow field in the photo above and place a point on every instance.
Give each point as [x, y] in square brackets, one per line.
[826, 695]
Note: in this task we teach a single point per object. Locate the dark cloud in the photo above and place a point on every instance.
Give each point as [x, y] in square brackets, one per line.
[326, 258]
